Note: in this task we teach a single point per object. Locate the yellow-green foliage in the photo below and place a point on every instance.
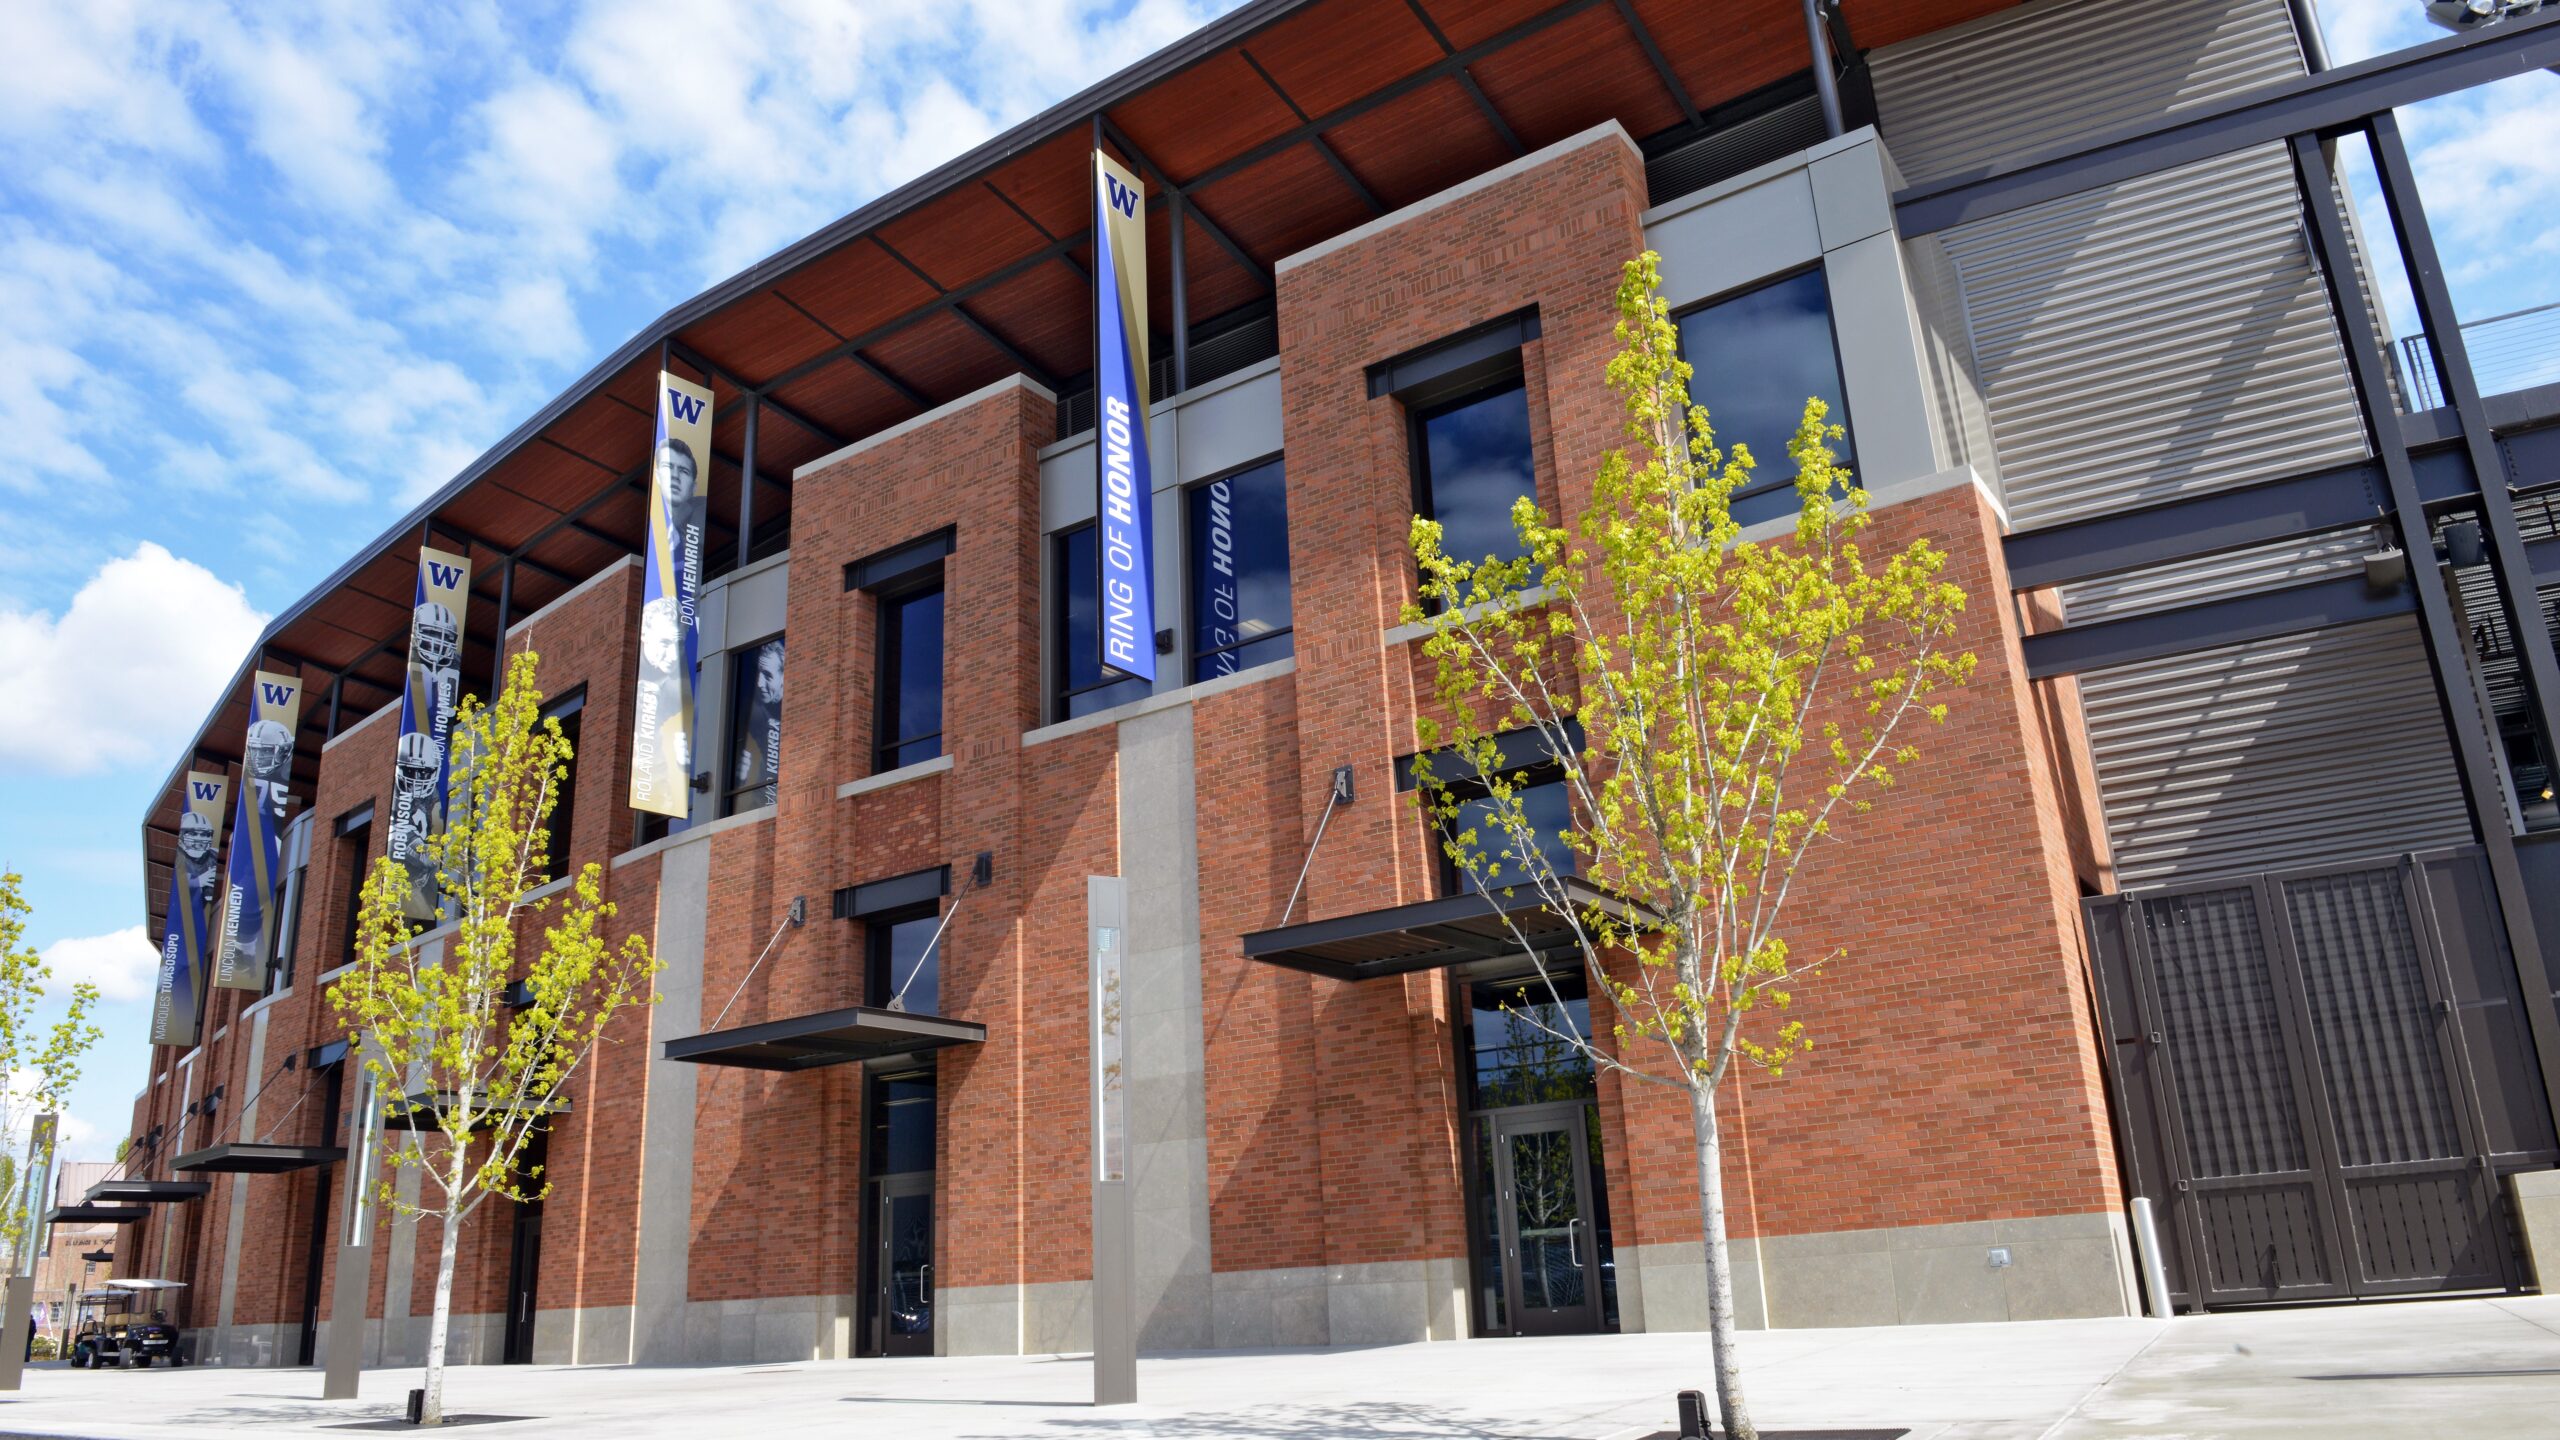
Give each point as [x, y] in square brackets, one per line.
[440, 1029]
[34, 1077]
[1738, 700]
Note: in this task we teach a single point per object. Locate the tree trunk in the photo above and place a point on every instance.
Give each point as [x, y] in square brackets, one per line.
[434, 1411]
[1720, 1338]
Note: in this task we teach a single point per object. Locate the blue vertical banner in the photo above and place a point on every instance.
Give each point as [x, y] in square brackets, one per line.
[257, 832]
[1125, 506]
[422, 763]
[195, 873]
[679, 493]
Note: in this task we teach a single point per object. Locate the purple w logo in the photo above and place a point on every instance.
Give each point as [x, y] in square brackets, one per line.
[686, 408]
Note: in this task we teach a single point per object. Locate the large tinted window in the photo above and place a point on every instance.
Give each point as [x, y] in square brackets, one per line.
[1516, 1030]
[562, 825]
[1239, 572]
[1474, 458]
[1757, 357]
[901, 1124]
[906, 968]
[353, 839]
[755, 726]
[1548, 807]
[910, 679]
[1076, 602]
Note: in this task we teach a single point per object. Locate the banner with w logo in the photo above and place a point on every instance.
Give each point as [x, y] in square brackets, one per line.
[1125, 529]
[679, 491]
[194, 875]
[422, 764]
[257, 832]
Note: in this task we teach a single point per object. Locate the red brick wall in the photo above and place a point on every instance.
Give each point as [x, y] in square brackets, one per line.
[1554, 237]
[1953, 1075]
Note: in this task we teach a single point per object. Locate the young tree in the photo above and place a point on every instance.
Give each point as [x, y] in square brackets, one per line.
[471, 1081]
[1717, 706]
[36, 1076]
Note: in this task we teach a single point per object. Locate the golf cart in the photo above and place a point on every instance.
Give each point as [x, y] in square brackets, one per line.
[116, 1335]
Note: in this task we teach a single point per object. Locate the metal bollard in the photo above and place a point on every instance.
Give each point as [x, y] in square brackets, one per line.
[1693, 1416]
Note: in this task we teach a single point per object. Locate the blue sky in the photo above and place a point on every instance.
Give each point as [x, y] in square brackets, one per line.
[269, 274]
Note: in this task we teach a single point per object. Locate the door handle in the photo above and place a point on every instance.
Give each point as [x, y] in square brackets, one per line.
[1573, 1240]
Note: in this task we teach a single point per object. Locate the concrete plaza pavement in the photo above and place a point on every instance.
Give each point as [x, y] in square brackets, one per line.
[2487, 1368]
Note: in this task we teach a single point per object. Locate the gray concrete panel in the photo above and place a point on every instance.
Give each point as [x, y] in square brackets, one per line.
[1734, 239]
[659, 1324]
[1166, 1066]
[1883, 366]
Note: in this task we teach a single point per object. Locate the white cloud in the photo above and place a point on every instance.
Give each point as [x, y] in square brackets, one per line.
[122, 673]
[121, 964]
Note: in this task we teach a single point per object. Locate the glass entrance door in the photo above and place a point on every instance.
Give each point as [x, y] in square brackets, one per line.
[905, 1265]
[1542, 1179]
[897, 1253]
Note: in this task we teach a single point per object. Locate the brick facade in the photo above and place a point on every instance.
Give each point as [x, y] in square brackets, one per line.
[1955, 1076]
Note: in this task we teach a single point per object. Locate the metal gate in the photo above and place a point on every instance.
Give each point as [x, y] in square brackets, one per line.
[2323, 1077]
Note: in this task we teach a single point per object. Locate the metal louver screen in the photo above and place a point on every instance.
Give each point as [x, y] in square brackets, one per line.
[2137, 342]
[2381, 1065]
[2225, 1039]
[2275, 753]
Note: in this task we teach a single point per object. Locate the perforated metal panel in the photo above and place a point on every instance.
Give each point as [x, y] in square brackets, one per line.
[2289, 1051]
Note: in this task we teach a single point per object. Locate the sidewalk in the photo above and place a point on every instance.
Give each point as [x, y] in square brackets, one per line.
[2474, 1368]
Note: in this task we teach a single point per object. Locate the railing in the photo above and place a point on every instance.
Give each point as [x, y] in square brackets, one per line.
[2508, 352]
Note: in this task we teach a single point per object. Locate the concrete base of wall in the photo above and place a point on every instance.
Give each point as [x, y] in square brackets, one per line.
[1379, 1304]
[2059, 1267]
[2537, 1199]
[600, 1335]
[1048, 1319]
[468, 1340]
[250, 1346]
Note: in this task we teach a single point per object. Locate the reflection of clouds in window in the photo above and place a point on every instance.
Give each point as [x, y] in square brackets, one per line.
[1478, 464]
[1757, 357]
[1239, 558]
[1547, 807]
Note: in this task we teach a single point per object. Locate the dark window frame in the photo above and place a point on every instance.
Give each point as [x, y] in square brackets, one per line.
[570, 710]
[1455, 882]
[356, 826]
[290, 898]
[1420, 411]
[740, 677]
[875, 1117]
[1765, 484]
[1192, 561]
[1061, 698]
[887, 601]
[879, 959]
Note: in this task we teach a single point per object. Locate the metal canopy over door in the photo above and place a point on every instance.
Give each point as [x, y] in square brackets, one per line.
[2292, 1054]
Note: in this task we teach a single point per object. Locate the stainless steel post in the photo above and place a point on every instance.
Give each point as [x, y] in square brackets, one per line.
[2146, 1251]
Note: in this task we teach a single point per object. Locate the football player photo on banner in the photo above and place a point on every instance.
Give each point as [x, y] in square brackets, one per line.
[257, 833]
[421, 763]
[194, 877]
[1125, 505]
[679, 489]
